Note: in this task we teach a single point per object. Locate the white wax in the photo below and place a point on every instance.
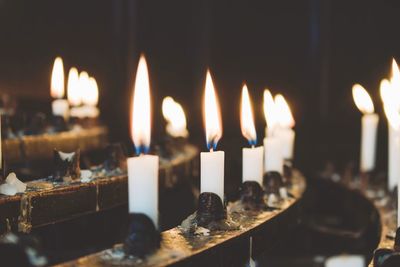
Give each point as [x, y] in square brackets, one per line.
[60, 107]
[212, 172]
[394, 158]
[369, 126]
[253, 164]
[287, 136]
[1, 142]
[345, 261]
[273, 158]
[143, 186]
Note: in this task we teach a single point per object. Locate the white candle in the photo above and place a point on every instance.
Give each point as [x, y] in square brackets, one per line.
[143, 185]
[284, 129]
[273, 155]
[1, 148]
[252, 161]
[212, 163]
[393, 158]
[212, 172]
[59, 106]
[369, 125]
[253, 164]
[273, 152]
[142, 170]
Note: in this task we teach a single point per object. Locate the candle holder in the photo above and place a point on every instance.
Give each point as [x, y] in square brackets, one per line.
[252, 196]
[287, 172]
[59, 124]
[380, 255]
[211, 214]
[391, 260]
[66, 166]
[274, 188]
[143, 237]
[37, 125]
[396, 246]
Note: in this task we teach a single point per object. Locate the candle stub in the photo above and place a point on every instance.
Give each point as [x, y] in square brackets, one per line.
[143, 186]
[212, 173]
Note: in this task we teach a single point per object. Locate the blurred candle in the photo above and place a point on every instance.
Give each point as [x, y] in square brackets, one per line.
[284, 129]
[212, 163]
[393, 116]
[175, 116]
[273, 153]
[369, 126]
[73, 91]
[59, 106]
[252, 157]
[143, 169]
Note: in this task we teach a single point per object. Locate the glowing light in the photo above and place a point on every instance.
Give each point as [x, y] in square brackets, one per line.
[284, 114]
[57, 79]
[175, 116]
[362, 99]
[73, 90]
[247, 118]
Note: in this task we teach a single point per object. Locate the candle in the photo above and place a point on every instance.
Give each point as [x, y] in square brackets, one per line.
[175, 116]
[393, 116]
[143, 169]
[253, 169]
[59, 105]
[284, 129]
[212, 163]
[273, 156]
[369, 126]
[390, 94]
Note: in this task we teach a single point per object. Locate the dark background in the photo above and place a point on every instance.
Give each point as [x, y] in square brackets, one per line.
[311, 51]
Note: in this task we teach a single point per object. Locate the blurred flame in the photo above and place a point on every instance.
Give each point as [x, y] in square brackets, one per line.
[212, 115]
[269, 110]
[91, 96]
[141, 115]
[362, 99]
[284, 114]
[57, 79]
[385, 90]
[73, 90]
[175, 116]
[393, 116]
[247, 118]
[84, 86]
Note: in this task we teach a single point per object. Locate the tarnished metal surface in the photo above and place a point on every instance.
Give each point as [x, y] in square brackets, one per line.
[41, 146]
[46, 202]
[181, 249]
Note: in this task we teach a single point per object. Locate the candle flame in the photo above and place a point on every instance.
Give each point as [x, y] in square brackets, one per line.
[91, 93]
[269, 110]
[140, 110]
[362, 99]
[73, 90]
[285, 116]
[57, 79]
[247, 118]
[212, 115]
[393, 116]
[175, 116]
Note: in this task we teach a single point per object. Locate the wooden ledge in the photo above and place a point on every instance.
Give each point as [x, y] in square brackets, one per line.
[226, 248]
[63, 201]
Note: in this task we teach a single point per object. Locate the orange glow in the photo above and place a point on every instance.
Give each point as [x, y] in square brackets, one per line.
[362, 99]
[140, 110]
[57, 79]
[212, 115]
[247, 118]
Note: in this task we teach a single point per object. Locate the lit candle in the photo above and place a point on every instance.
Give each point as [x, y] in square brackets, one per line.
[59, 106]
[390, 94]
[253, 169]
[393, 116]
[212, 163]
[143, 169]
[90, 98]
[273, 156]
[73, 92]
[284, 129]
[369, 126]
[175, 116]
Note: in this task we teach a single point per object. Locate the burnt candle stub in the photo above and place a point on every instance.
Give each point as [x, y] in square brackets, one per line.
[115, 157]
[393, 260]
[143, 237]
[59, 124]
[66, 165]
[37, 124]
[397, 240]
[272, 182]
[252, 195]
[211, 209]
